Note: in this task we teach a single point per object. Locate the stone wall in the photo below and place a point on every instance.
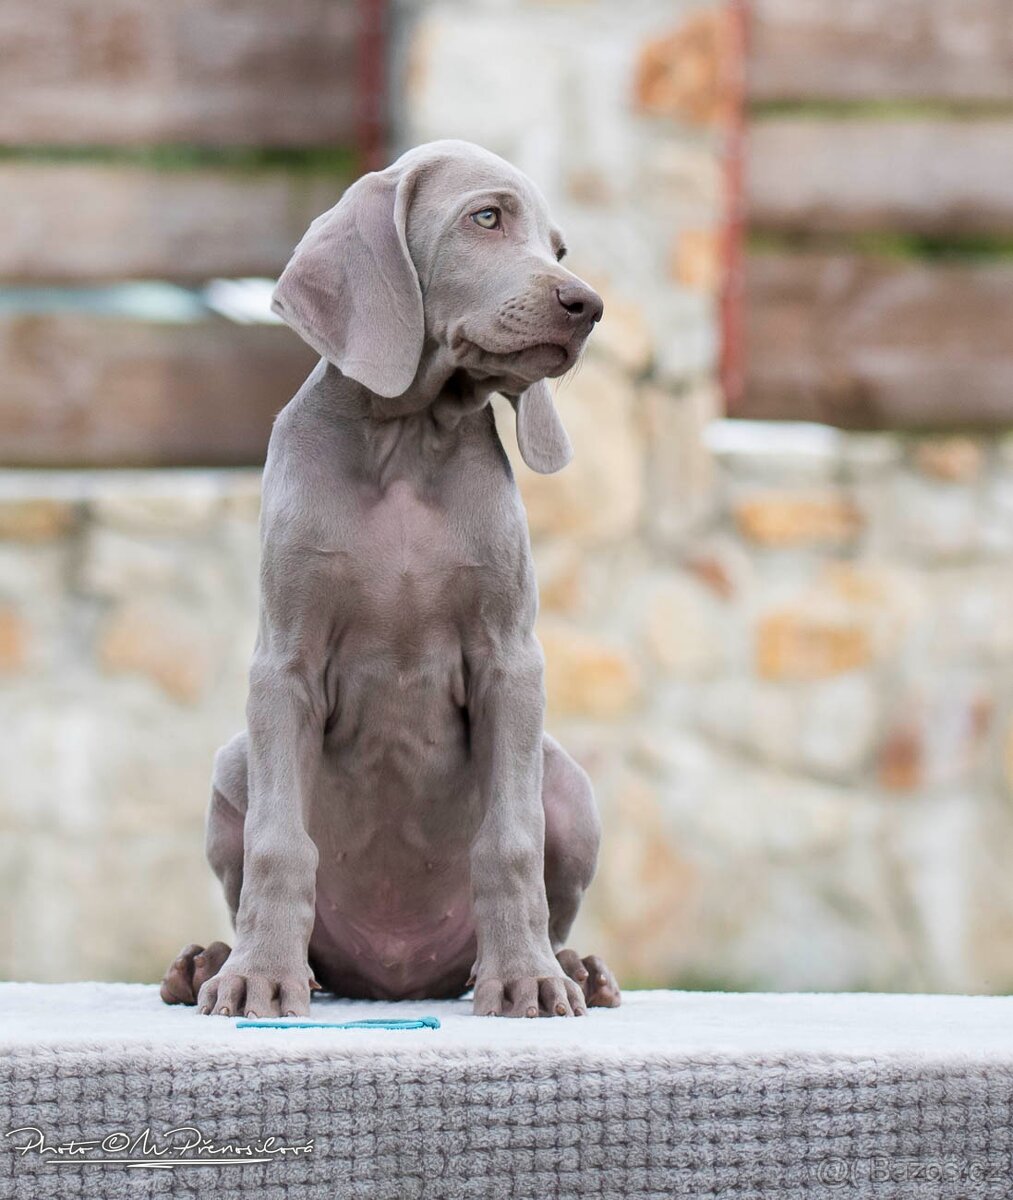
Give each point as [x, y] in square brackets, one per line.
[795, 712]
[127, 618]
[798, 715]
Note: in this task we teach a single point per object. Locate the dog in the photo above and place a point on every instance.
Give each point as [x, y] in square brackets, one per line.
[395, 823]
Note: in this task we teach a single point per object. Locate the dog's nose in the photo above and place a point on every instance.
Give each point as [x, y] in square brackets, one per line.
[581, 302]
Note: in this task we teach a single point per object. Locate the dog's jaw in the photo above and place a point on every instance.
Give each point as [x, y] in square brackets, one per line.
[515, 363]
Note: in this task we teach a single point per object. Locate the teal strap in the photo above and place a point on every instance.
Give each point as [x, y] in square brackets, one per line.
[375, 1023]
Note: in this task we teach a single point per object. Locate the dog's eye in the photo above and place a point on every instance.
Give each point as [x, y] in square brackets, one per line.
[560, 254]
[488, 218]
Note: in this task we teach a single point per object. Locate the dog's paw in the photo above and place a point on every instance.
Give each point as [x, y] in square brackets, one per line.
[529, 996]
[189, 970]
[238, 992]
[595, 980]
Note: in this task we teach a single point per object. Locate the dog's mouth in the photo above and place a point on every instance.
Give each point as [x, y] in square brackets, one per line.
[537, 360]
[547, 357]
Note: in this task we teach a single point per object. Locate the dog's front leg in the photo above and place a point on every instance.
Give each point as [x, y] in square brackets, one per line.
[516, 971]
[267, 972]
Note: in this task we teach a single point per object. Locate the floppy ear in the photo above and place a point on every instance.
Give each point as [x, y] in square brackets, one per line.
[541, 437]
[351, 290]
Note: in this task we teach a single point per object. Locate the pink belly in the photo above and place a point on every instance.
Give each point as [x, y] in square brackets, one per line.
[393, 951]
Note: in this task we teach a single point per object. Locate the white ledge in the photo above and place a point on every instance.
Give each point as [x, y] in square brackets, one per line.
[672, 1024]
[737, 1097]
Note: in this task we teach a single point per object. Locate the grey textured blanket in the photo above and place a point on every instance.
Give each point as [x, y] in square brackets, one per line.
[675, 1094]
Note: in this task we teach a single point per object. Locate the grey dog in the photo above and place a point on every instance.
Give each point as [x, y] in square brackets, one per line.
[395, 823]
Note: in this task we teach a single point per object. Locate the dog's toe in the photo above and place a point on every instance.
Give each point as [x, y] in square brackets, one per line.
[529, 996]
[593, 977]
[189, 970]
[207, 965]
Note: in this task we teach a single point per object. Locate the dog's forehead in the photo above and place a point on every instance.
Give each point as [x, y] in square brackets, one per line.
[451, 170]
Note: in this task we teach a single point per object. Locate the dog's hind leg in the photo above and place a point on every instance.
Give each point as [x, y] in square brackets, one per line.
[572, 836]
[223, 845]
[223, 834]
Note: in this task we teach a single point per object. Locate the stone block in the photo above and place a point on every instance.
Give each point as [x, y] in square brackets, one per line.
[13, 641]
[824, 729]
[870, 456]
[696, 260]
[756, 455]
[932, 520]
[680, 179]
[35, 575]
[119, 564]
[836, 726]
[624, 334]
[952, 460]
[162, 641]
[937, 735]
[900, 759]
[39, 519]
[890, 598]
[585, 674]
[682, 628]
[762, 856]
[151, 771]
[458, 70]
[685, 324]
[157, 502]
[561, 577]
[997, 517]
[783, 520]
[689, 74]
[719, 561]
[241, 495]
[798, 643]
[681, 478]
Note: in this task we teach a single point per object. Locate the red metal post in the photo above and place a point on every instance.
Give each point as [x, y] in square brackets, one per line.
[371, 63]
[732, 364]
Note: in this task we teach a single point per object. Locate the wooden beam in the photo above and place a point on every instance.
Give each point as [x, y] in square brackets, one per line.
[69, 222]
[132, 72]
[865, 49]
[865, 343]
[935, 176]
[85, 390]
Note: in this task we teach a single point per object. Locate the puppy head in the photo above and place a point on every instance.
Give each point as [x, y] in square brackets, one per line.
[453, 246]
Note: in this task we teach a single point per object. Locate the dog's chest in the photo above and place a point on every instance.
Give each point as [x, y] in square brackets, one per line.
[413, 557]
[406, 535]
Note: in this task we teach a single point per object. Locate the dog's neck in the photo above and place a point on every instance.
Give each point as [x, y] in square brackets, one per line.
[441, 388]
[411, 437]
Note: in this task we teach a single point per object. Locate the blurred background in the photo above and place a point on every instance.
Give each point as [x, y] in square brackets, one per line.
[777, 580]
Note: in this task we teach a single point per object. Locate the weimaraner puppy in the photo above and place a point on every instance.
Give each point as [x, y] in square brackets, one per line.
[395, 823]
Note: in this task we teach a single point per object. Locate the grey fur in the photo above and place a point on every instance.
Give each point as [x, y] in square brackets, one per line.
[395, 819]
